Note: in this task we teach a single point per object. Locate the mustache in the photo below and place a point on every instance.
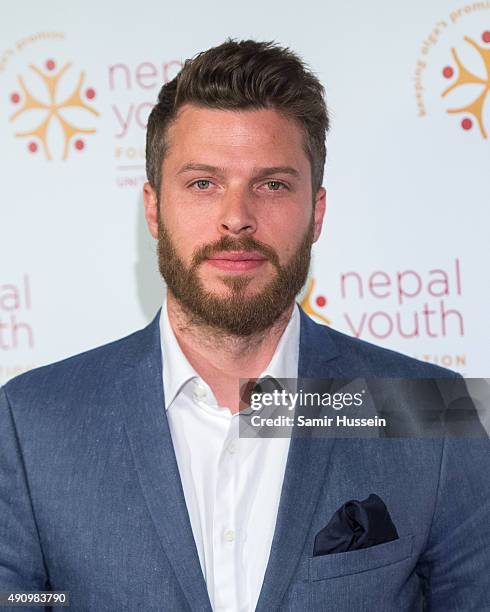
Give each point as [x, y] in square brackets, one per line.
[226, 243]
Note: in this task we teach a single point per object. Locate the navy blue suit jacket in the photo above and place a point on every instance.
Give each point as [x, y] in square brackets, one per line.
[91, 500]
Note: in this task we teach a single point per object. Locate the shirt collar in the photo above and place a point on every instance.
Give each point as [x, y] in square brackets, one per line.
[177, 370]
[284, 362]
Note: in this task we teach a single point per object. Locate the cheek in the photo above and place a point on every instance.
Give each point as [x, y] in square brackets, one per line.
[286, 232]
[182, 213]
[187, 233]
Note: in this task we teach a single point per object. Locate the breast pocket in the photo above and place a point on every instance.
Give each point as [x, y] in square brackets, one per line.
[363, 560]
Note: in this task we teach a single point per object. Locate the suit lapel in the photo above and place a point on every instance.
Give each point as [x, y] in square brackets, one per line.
[141, 386]
[304, 477]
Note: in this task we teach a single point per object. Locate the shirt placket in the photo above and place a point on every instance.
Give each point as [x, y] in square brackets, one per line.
[227, 531]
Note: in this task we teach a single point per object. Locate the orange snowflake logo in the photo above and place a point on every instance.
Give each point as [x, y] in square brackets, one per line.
[52, 110]
[321, 301]
[465, 77]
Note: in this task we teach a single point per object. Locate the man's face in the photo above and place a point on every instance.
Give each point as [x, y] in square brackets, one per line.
[235, 218]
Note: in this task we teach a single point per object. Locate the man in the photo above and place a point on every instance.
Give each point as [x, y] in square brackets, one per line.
[123, 480]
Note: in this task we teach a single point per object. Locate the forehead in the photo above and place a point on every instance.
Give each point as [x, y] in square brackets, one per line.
[246, 135]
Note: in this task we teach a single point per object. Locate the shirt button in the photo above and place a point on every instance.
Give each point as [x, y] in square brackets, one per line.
[199, 392]
[229, 535]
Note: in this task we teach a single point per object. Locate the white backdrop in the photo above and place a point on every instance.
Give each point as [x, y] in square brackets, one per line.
[405, 245]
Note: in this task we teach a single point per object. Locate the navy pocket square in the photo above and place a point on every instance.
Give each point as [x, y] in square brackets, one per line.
[355, 525]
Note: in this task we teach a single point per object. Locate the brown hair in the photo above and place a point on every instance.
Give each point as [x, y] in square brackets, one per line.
[237, 75]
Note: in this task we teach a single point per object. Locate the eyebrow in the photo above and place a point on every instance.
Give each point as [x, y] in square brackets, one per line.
[258, 173]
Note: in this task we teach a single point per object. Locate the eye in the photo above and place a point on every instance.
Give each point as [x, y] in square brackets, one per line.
[275, 185]
[201, 184]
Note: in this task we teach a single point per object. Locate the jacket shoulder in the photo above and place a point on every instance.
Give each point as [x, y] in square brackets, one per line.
[74, 375]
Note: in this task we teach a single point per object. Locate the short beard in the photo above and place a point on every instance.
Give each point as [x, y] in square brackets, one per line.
[235, 314]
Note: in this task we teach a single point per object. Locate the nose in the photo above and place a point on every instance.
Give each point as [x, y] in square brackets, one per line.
[236, 216]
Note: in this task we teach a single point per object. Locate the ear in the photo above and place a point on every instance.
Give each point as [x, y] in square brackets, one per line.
[320, 206]
[151, 209]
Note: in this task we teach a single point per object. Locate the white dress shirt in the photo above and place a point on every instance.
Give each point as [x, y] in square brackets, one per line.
[231, 485]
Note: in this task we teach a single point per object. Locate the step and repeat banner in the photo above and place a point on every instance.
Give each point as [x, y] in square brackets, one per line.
[403, 259]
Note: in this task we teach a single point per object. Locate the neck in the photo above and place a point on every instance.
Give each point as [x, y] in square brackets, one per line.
[221, 358]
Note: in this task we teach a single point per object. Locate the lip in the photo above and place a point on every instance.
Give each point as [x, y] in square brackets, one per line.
[237, 261]
[238, 256]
